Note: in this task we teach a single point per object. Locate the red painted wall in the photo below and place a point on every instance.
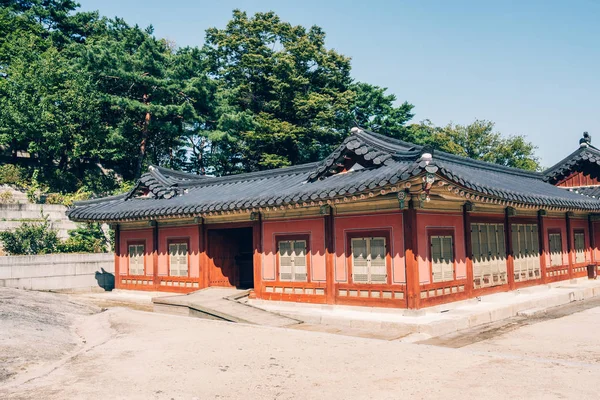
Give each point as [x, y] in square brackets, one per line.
[144, 235]
[596, 244]
[428, 221]
[314, 227]
[179, 232]
[389, 221]
[556, 223]
[578, 179]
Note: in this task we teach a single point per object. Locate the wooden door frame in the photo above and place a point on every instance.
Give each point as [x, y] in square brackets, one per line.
[228, 226]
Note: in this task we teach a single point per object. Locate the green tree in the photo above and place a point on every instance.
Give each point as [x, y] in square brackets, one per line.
[284, 97]
[150, 94]
[373, 109]
[478, 141]
[50, 110]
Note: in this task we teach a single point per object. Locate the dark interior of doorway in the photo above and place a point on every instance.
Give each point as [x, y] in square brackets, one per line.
[231, 252]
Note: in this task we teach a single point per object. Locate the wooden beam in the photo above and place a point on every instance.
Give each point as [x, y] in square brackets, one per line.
[329, 224]
[413, 293]
[155, 255]
[542, 244]
[510, 261]
[592, 240]
[204, 267]
[569, 244]
[257, 240]
[117, 255]
[468, 248]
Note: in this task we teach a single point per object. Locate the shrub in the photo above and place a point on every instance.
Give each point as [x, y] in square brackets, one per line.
[88, 238]
[11, 174]
[55, 198]
[6, 197]
[31, 239]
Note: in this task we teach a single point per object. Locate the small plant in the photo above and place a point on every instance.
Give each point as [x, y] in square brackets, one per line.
[88, 238]
[11, 174]
[31, 239]
[55, 198]
[6, 197]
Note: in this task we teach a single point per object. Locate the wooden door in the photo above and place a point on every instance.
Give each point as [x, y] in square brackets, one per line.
[221, 259]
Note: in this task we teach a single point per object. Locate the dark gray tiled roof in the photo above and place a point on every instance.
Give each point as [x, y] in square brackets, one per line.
[386, 162]
[591, 191]
[573, 162]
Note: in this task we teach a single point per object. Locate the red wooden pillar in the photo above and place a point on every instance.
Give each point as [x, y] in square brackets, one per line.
[329, 222]
[569, 244]
[204, 268]
[510, 262]
[257, 239]
[467, 208]
[413, 291]
[592, 240]
[155, 280]
[201, 265]
[117, 255]
[542, 243]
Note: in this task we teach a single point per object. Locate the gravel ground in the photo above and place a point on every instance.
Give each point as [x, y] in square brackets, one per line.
[131, 354]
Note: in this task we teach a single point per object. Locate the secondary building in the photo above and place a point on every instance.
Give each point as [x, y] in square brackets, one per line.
[379, 222]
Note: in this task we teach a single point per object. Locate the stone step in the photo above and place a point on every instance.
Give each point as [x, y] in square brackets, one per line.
[221, 304]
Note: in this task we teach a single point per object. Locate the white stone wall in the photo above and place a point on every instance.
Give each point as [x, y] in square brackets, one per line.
[56, 271]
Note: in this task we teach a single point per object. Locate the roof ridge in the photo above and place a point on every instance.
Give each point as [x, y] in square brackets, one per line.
[175, 173]
[451, 157]
[252, 175]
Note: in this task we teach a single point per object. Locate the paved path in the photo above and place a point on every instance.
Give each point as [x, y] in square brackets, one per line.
[127, 354]
[221, 304]
[444, 319]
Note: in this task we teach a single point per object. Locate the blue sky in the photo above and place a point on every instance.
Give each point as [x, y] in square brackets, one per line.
[530, 66]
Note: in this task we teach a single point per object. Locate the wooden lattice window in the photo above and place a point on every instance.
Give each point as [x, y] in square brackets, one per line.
[292, 260]
[136, 259]
[488, 254]
[442, 258]
[579, 239]
[178, 258]
[369, 260]
[555, 247]
[526, 251]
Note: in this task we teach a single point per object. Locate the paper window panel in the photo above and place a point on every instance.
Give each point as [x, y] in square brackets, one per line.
[555, 242]
[136, 259]
[579, 239]
[285, 260]
[299, 261]
[378, 268]
[360, 263]
[442, 259]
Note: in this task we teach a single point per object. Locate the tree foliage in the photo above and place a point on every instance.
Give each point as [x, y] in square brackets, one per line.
[87, 102]
[285, 96]
[30, 239]
[479, 141]
[87, 238]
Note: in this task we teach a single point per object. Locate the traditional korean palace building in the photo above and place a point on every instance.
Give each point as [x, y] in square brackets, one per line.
[379, 222]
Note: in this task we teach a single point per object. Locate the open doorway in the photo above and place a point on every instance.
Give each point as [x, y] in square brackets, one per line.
[230, 254]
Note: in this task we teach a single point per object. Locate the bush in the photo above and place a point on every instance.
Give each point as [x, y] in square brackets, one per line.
[55, 198]
[88, 238]
[6, 197]
[11, 174]
[31, 239]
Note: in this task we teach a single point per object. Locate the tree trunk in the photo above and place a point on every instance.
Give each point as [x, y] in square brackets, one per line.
[143, 143]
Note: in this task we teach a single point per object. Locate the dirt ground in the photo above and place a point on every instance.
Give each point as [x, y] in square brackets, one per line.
[55, 349]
